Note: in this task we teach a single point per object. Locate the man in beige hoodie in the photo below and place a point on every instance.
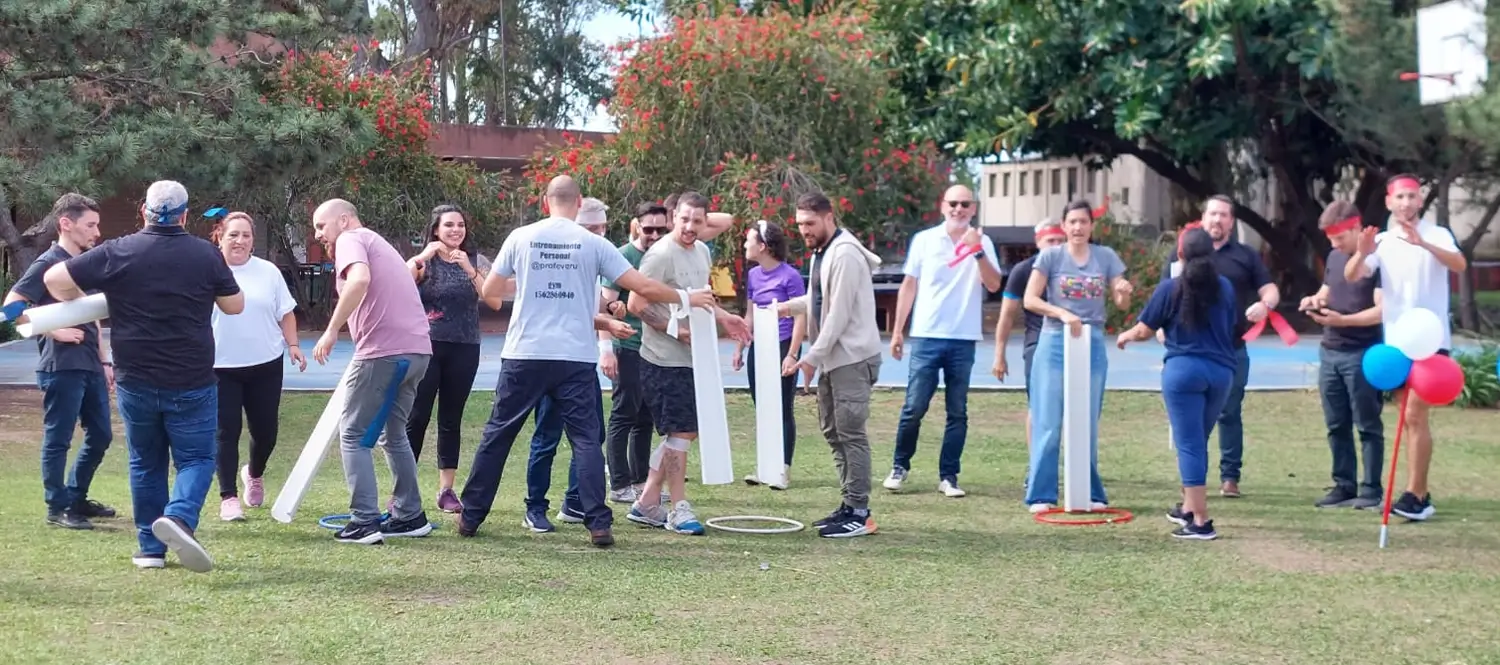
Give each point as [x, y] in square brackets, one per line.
[846, 351]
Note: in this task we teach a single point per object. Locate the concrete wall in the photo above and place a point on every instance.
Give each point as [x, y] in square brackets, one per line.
[1009, 194]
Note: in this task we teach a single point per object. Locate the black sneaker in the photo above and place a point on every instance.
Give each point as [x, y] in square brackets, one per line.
[536, 520]
[848, 525]
[178, 538]
[93, 510]
[1338, 497]
[1179, 516]
[415, 527]
[1196, 532]
[1367, 502]
[1412, 508]
[68, 519]
[832, 516]
[146, 561]
[360, 534]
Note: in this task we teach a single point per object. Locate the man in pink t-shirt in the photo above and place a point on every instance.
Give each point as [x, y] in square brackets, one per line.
[379, 301]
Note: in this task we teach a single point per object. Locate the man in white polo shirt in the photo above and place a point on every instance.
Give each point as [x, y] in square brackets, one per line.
[1414, 257]
[949, 322]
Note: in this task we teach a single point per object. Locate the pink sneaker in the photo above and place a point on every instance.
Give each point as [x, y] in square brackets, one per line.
[230, 510]
[448, 502]
[255, 488]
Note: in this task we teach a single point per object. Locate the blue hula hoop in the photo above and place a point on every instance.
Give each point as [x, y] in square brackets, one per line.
[336, 522]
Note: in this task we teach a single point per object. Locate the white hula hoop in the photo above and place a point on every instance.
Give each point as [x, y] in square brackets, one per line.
[793, 526]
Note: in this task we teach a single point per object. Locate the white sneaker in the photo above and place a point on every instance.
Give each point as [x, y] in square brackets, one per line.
[785, 480]
[950, 489]
[1039, 508]
[230, 510]
[1098, 506]
[752, 480]
[625, 495]
[894, 481]
[681, 519]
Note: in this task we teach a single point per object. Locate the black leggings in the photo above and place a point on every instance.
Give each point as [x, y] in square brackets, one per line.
[247, 393]
[449, 380]
[788, 395]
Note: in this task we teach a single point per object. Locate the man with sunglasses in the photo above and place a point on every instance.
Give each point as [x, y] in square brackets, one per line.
[948, 324]
[628, 443]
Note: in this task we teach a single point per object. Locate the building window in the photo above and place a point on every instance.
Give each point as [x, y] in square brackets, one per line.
[1022, 191]
[1036, 182]
[992, 185]
[1125, 196]
[1072, 182]
[1005, 185]
[1056, 181]
[1089, 180]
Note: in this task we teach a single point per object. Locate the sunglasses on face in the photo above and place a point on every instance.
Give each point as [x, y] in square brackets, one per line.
[654, 230]
[960, 204]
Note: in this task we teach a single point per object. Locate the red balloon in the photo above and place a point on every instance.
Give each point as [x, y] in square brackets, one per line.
[1437, 379]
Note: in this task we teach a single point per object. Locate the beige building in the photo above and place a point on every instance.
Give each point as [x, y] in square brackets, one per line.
[1022, 193]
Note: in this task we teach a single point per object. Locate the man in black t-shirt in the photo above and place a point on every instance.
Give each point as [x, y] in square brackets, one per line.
[74, 376]
[162, 285]
[1048, 233]
[1350, 315]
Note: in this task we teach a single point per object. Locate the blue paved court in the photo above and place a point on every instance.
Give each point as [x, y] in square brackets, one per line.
[1273, 366]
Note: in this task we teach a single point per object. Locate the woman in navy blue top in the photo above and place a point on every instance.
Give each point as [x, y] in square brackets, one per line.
[1196, 310]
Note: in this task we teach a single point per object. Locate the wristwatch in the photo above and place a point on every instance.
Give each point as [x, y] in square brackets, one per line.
[979, 255]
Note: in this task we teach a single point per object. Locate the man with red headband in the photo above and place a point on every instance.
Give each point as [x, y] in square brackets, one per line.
[1349, 311]
[1413, 257]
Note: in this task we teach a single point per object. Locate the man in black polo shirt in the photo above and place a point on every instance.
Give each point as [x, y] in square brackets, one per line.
[162, 285]
[1257, 296]
[1350, 315]
[1048, 233]
[74, 377]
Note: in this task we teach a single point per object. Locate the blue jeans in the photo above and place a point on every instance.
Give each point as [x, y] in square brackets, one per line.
[1351, 404]
[161, 426]
[1194, 391]
[1046, 405]
[544, 442]
[1231, 427]
[955, 359]
[72, 398]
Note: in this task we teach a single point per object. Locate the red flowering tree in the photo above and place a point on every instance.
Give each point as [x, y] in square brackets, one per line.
[754, 111]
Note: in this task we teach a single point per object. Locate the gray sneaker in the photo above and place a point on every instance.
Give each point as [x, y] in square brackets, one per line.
[623, 495]
[652, 516]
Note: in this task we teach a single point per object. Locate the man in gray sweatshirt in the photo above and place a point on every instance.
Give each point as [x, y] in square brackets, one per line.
[846, 351]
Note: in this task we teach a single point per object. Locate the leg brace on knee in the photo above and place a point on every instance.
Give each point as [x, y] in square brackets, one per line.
[672, 442]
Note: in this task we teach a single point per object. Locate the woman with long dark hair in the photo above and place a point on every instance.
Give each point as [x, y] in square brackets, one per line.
[772, 279]
[1196, 310]
[1070, 285]
[449, 274]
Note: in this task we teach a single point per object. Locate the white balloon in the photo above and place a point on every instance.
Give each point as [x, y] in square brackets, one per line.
[1418, 333]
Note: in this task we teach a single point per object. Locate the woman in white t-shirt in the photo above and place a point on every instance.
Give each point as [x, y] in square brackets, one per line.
[248, 348]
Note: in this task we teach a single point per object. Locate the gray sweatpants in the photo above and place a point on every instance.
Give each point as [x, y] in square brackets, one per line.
[843, 410]
[376, 408]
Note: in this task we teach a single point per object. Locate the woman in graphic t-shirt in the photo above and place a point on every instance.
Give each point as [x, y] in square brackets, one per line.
[248, 348]
[1076, 278]
[772, 279]
[449, 274]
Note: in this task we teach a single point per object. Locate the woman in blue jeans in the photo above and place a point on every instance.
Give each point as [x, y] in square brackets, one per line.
[1075, 279]
[1197, 312]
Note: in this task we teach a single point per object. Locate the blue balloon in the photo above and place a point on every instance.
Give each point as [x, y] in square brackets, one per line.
[1386, 367]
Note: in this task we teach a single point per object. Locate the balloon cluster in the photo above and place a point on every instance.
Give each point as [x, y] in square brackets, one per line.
[1410, 357]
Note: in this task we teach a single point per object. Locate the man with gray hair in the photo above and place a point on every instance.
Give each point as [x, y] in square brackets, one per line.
[392, 349]
[162, 285]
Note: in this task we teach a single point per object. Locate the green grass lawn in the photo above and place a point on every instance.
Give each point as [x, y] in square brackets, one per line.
[971, 580]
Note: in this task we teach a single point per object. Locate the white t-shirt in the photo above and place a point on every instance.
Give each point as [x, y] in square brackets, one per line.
[557, 265]
[1411, 277]
[253, 337]
[950, 301]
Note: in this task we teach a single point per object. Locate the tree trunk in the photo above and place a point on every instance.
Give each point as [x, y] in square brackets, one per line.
[1468, 304]
[21, 248]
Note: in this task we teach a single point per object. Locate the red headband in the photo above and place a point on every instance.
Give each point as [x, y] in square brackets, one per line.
[1050, 231]
[1402, 183]
[1182, 235]
[1347, 224]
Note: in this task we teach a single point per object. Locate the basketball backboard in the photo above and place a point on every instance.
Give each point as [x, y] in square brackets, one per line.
[1451, 50]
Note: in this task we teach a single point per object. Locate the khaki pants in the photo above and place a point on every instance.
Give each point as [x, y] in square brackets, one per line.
[843, 410]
